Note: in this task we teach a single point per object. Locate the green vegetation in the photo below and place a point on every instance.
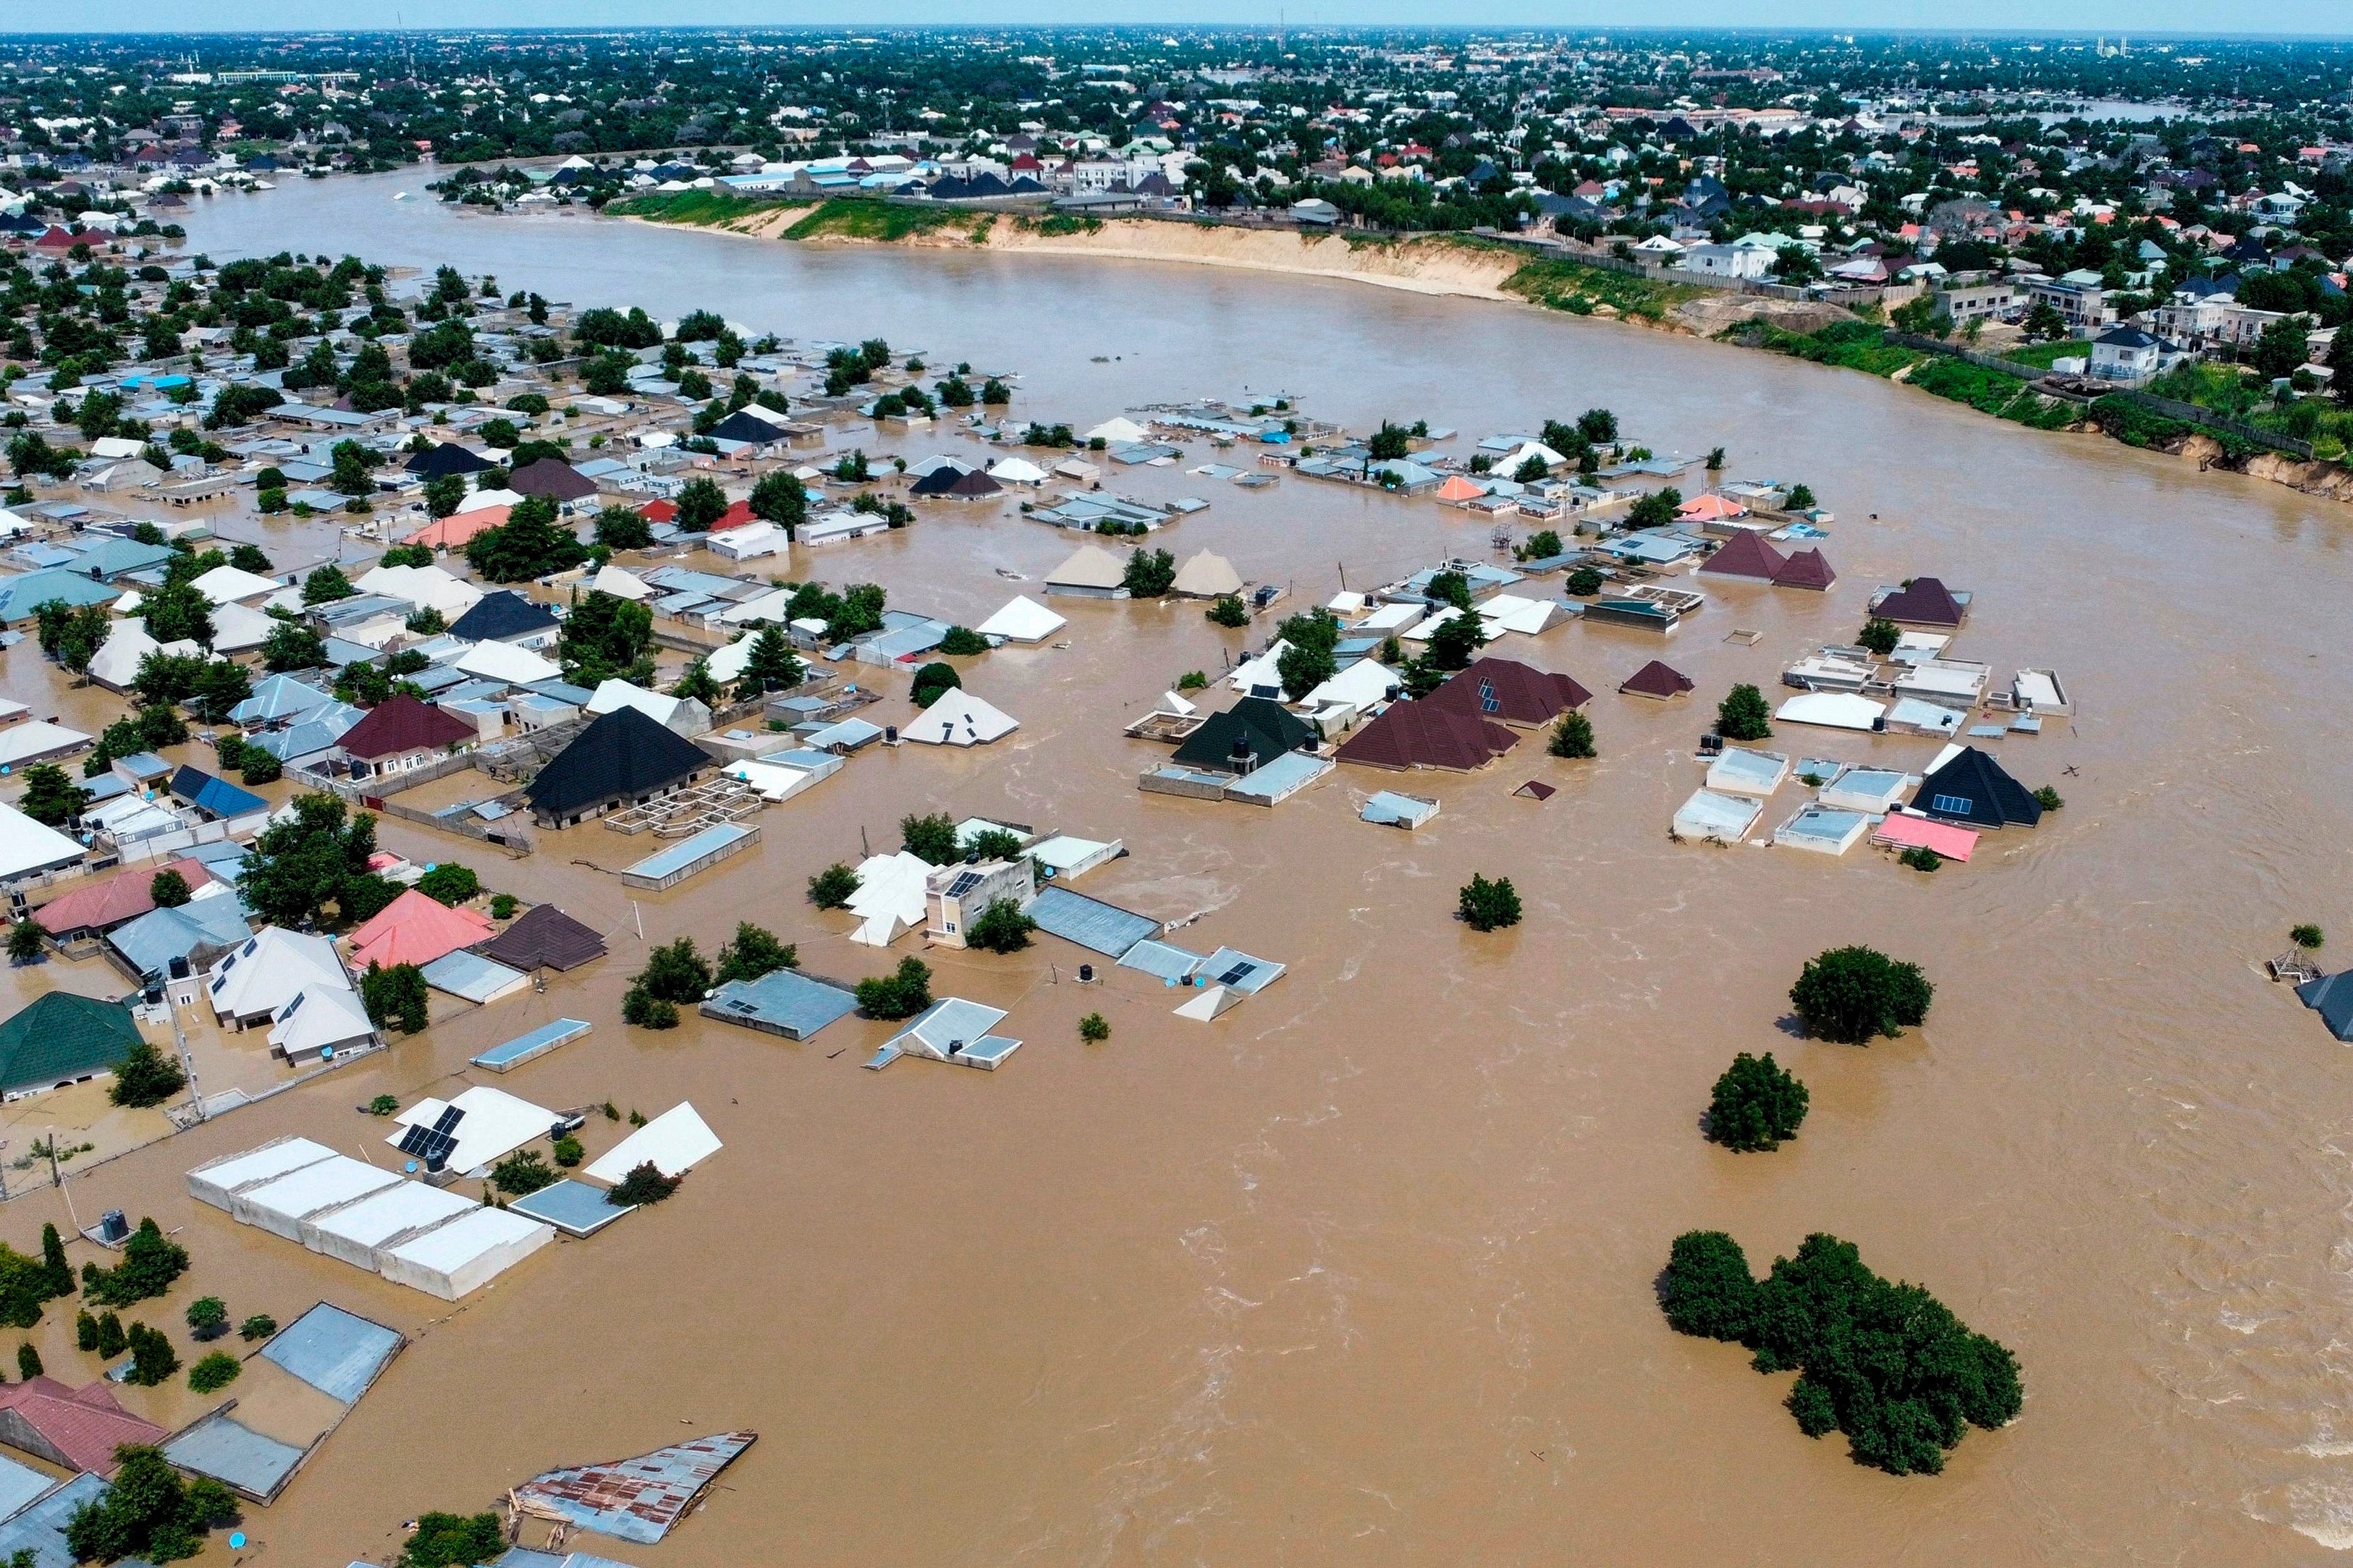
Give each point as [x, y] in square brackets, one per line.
[708, 209]
[754, 952]
[1887, 1363]
[523, 1172]
[1744, 715]
[1573, 736]
[259, 1326]
[503, 906]
[1000, 928]
[396, 997]
[1228, 611]
[1755, 1105]
[1584, 582]
[146, 1075]
[51, 796]
[933, 681]
[1577, 287]
[901, 994]
[963, 642]
[214, 1373]
[28, 1361]
[152, 1359]
[1852, 994]
[2306, 937]
[1310, 659]
[318, 859]
[1095, 1029]
[644, 1184]
[534, 542]
[830, 888]
[207, 1317]
[449, 883]
[673, 975]
[2048, 798]
[452, 1540]
[1150, 574]
[851, 217]
[149, 1513]
[1879, 635]
[569, 1152]
[1483, 905]
[930, 839]
[1863, 346]
[1920, 858]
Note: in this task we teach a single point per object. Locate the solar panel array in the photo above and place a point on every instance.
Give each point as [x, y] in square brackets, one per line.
[433, 1144]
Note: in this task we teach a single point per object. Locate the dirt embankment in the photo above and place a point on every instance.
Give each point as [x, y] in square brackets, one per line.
[2333, 481]
[1712, 314]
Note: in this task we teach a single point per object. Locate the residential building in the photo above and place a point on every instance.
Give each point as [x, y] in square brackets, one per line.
[955, 896]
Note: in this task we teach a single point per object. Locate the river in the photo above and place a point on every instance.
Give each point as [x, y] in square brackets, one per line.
[1362, 1272]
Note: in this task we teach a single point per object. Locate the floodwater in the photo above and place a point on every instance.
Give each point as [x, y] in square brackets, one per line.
[1362, 1272]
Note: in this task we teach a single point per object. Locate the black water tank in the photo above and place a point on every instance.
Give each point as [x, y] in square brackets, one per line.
[1086, 973]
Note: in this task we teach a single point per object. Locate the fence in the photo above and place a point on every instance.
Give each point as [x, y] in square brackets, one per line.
[1985, 360]
[2190, 414]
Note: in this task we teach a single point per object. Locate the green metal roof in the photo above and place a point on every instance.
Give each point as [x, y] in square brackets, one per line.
[62, 1037]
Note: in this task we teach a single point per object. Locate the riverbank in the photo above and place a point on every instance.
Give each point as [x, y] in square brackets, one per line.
[1465, 266]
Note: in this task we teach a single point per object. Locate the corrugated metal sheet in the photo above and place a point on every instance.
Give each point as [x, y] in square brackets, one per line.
[337, 1353]
[1090, 922]
[638, 1499]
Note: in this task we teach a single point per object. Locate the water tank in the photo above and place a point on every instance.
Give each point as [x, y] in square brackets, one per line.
[178, 969]
[891, 735]
[112, 1228]
[1086, 973]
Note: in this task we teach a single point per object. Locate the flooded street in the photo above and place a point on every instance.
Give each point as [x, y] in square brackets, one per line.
[1362, 1271]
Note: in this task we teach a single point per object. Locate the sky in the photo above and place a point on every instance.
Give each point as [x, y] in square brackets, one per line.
[2134, 17]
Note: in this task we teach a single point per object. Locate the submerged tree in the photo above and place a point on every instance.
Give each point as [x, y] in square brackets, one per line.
[1743, 715]
[1488, 906]
[1852, 994]
[1756, 1104]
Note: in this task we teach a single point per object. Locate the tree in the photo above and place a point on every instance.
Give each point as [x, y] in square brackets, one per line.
[1000, 928]
[1879, 635]
[214, 1373]
[73, 637]
[1228, 611]
[178, 612]
[1657, 509]
[673, 974]
[1597, 426]
[1488, 906]
[2340, 366]
[1150, 574]
[523, 1172]
[1389, 443]
[605, 636]
[1584, 582]
[2307, 937]
[28, 1361]
[1802, 499]
[930, 839]
[700, 504]
[220, 685]
[645, 1184]
[444, 494]
[26, 943]
[780, 499]
[2043, 324]
[770, 666]
[1094, 1029]
[150, 1262]
[2282, 350]
[696, 682]
[148, 1511]
[963, 642]
[291, 644]
[1756, 1104]
[207, 1317]
[449, 883]
[530, 544]
[901, 994]
[452, 1540]
[50, 797]
[259, 1326]
[1742, 715]
[318, 858]
[111, 1340]
[1852, 994]
[146, 1075]
[396, 997]
[831, 888]
[622, 528]
[167, 890]
[932, 681]
[1708, 1290]
[61, 1280]
[1573, 736]
[754, 952]
[325, 584]
[1454, 642]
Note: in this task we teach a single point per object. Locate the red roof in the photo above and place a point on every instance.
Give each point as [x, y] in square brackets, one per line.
[113, 901]
[84, 1425]
[658, 511]
[1746, 554]
[1806, 569]
[401, 724]
[1508, 690]
[416, 929]
[736, 516]
[1656, 679]
[1425, 735]
[1925, 603]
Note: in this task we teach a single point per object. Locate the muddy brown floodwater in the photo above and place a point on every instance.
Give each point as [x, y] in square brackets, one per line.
[1362, 1272]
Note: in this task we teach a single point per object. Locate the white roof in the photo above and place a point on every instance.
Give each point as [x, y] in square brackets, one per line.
[1516, 613]
[442, 1259]
[294, 1198]
[753, 539]
[320, 1015]
[960, 718]
[1022, 620]
[726, 664]
[1832, 709]
[28, 846]
[1077, 468]
[675, 1143]
[1707, 814]
[403, 1207]
[1388, 618]
[1426, 629]
[1258, 671]
[1113, 432]
[1531, 450]
[427, 588]
[227, 585]
[1018, 471]
[768, 606]
[1090, 567]
[263, 975]
[483, 501]
[1359, 686]
[117, 659]
[934, 463]
[621, 585]
[214, 1180]
[890, 896]
[236, 627]
[1345, 603]
[495, 1124]
[618, 693]
[34, 739]
[505, 661]
[1207, 575]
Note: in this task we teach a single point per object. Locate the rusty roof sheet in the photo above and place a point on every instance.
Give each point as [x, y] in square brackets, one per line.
[635, 1499]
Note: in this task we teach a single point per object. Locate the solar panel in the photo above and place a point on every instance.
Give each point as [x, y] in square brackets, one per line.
[965, 884]
[1237, 974]
[427, 1145]
[1487, 703]
[449, 1120]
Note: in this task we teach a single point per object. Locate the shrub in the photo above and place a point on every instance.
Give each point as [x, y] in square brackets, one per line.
[962, 642]
[2305, 936]
[452, 1540]
[1229, 610]
[503, 906]
[1000, 928]
[2048, 798]
[146, 1075]
[902, 994]
[1095, 1029]
[449, 883]
[1744, 715]
[831, 888]
[28, 1361]
[645, 1184]
[1852, 994]
[1879, 635]
[1573, 736]
[1193, 680]
[1756, 1103]
[260, 767]
[259, 1326]
[150, 1262]
[932, 681]
[1920, 858]
[647, 1011]
[207, 1317]
[215, 1373]
[382, 1105]
[1488, 906]
[568, 1152]
[523, 1172]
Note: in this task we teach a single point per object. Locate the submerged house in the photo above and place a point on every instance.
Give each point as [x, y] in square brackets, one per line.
[62, 1038]
[623, 759]
[400, 734]
[1090, 572]
[1923, 602]
[1246, 736]
[1656, 679]
[1510, 693]
[1972, 788]
[1427, 735]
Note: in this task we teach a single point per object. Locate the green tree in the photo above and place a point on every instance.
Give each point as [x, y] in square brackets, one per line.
[325, 584]
[700, 504]
[28, 1361]
[2043, 324]
[1599, 426]
[931, 838]
[111, 1340]
[318, 858]
[531, 544]
[27, 944]
[831, 888]
[605, 638]
[291, 644]
[396, 997]
[167, 890]
[523, 1172]
[1228, 611]
[754, 952]
[214, 1373]
[901, 994]
[1802, 499]
[449, 883]
[453, 1541]
[771, 666]
[1756, 1104]
[151, 1262]
[221, 685]
[1573, 736]
[622, 528]
[51, 796]
[780, 499]
[932, 681]
[60, 1279]
[2282, 348]
[1389, 443]
[207, 1317]
[645, 1184]
[1708, 1290]
[1150, 574]
[1456, 641]
[444, 494]
[1000, 928]
[259, 1326]
[1742, 715]
[178, 612]
[1852, 994]
[148, 1511]
[963, 642]
[1094, 1029]
[696, 682]
[146, 1075]
[1488, 906]
[1879, 635]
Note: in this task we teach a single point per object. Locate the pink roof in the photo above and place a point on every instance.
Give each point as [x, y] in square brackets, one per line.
[1460, 489]
[1923, 833]
[84, 1424]
[1709, 507]
[455, 531]
[414, 929]
[111, 903]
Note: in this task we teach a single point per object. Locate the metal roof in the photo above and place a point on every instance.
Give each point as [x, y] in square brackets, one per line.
[1163, 959]
[783, 1002]
[1091, 924]
[538, 1042]
[638, 1499]
[575, 1209]
[337, 1353]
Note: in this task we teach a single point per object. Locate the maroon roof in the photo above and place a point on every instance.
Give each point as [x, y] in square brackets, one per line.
[1746, 554]
[400, 725]
[1508, 690]
[552, 478]
[1425, 735]
[1656, 679]
[1806, 569]
[1537, 789]
[544, 937]
[1925, 603]
[76, 1426]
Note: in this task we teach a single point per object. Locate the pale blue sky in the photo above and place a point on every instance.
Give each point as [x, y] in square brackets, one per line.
[2328, 17]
